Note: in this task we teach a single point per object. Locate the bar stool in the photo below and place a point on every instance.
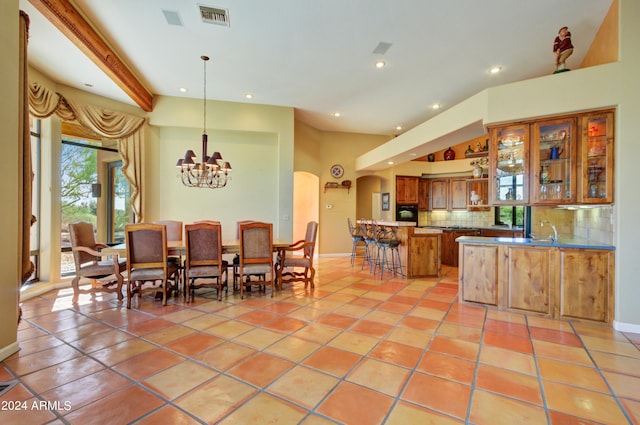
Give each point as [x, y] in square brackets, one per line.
[369, 231]
[388, 243]
[357, 237]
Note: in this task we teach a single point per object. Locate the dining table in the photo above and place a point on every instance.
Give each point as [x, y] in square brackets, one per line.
[229, 246]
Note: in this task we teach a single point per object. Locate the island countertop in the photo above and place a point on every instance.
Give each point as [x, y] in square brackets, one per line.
[389, 223]
[562, 242]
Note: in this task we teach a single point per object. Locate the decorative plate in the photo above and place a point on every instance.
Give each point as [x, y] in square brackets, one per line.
[337, 171]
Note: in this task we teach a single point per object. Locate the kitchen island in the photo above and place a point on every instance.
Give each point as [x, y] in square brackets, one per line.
[419, 247]
[568, 278]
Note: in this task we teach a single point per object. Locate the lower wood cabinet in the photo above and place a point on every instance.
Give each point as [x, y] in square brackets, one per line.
[527, 279]
[559, 282]
[424, 255]
[449, 254]
[478, 276]
[585, 290]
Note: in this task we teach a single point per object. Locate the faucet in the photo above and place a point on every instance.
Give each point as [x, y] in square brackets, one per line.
[555, 231]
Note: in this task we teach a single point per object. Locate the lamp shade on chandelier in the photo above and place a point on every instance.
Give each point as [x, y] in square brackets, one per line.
[209, 171]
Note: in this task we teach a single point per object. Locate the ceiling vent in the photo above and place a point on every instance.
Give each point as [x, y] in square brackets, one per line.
[214, 15]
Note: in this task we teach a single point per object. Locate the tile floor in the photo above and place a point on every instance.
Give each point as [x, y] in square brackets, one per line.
[356, 350]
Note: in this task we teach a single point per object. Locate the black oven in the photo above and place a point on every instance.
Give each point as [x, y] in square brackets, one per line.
[407, 213]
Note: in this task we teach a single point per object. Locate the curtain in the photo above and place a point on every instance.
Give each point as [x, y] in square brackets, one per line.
[126, 129]
[26, 179]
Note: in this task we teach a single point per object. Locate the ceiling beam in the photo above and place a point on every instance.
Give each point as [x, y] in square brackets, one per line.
[68, 20]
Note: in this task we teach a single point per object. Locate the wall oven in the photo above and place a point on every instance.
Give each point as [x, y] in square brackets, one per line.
[407, 213]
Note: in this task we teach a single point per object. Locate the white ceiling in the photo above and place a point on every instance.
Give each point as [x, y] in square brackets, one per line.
[317, 56]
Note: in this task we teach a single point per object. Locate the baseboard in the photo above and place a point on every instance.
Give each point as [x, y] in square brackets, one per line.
[626, 327]
[9, 350]
[43, 288]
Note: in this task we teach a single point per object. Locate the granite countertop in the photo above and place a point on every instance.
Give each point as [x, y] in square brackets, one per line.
[389, 223]
[427, 231]
[496, 227]
[562, 242]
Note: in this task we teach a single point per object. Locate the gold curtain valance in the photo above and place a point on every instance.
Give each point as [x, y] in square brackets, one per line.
[126, 129]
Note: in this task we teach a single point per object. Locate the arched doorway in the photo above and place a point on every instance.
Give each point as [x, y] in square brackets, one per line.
[306, 203]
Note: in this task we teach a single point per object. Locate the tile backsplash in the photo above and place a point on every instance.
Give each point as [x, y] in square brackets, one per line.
[591, 224]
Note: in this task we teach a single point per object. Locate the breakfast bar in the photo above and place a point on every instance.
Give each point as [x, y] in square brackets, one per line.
[419, 247]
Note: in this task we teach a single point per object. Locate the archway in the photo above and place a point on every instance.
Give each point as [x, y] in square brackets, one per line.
[306, 203]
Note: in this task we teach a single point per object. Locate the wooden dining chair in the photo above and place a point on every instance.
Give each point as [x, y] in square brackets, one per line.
[174, 233]
[104, 271]
[256, 255]
[298, 268]
[203, 258]
[147, 259]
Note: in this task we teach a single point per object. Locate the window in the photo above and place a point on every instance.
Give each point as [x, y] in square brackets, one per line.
[94, 190]
[514, 216]
[34, 124]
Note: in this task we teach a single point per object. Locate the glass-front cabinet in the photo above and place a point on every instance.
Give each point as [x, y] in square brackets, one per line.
[596, 159]
[509, 165]
[553, 162]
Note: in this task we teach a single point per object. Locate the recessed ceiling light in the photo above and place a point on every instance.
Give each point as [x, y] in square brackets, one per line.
[390, 162]
[495, 69]
[337, 114]
[380, 64]
[183, 90]
[436, 106]
[248, 96]
[399, 127]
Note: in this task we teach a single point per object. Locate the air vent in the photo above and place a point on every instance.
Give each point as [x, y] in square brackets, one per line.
[214, 15]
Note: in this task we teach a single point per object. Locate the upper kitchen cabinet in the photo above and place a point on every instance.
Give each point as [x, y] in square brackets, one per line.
[509, 165]
[423, 195]
[406, 189]
[556, 161]
[553, 162]
[596, 158]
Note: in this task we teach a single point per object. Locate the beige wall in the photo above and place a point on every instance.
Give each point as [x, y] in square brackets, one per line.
[256, 139]
[9, 175]
[315, 152]
[604, 48]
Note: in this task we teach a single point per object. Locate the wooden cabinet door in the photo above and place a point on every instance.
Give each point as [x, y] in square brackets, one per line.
[423, 195]
[439, 194]
[527, 276]
[595, 163]
[425, 256]
[478, 273]
[509, 165]
[448, 248]
[586, 277]
[406, 190]
[553, 162]
[458, 194]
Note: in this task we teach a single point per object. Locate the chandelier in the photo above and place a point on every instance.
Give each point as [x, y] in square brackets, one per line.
[211, 171]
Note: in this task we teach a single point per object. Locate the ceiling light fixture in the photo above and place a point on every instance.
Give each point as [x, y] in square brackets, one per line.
[380, 64]
[337, 114]
[495, 69]
[436, 106]
[248, 96]
[183, 90]
[212, 171]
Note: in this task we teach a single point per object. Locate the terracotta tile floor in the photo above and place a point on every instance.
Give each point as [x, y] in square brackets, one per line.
[355, 350]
